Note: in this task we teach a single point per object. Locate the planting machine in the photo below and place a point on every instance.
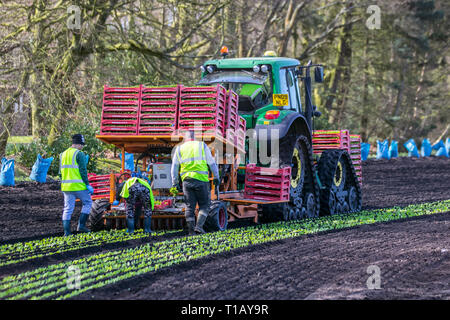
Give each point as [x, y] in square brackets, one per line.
[259, 126]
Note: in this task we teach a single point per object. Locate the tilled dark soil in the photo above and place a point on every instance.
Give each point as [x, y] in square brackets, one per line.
[413, 257]
[31, 210]
[412, 254]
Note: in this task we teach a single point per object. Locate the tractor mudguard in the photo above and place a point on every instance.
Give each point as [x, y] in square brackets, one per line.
[293, 119]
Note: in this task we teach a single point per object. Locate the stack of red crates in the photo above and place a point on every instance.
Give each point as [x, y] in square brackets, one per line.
[101, 185]
[202, 108]
[120, 110]
[355, 154]
[158, 110]
[231, 115]
[268, 184]
[330, 139]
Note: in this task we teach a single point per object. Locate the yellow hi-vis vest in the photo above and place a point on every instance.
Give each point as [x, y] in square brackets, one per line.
[126, 187]
[70, 174]
[192, 159]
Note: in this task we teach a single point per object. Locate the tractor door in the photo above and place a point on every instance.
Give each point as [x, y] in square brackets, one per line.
[289, 85]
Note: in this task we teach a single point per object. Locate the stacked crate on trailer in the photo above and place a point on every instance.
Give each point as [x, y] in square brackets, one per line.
[231, 115]
[120, 109]
[202, 108]
[330, 139]
[355, 155]
[158, 110]
[268, 184]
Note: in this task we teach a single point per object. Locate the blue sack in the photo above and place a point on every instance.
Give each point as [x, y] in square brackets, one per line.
[365, 148]
[438, 145]
[7, 173]
[442, 152]
[40, 169]
[383, 149]
[129, 161]
[410, 145]
[393, 149]
[441, 149]
[447, 145]
[425, 150]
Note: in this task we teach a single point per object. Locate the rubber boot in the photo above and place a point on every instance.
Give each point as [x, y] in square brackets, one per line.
[82, 223]
[148, 224]
[190, 227]
[200, 222]
[66, 226]
[130, 225]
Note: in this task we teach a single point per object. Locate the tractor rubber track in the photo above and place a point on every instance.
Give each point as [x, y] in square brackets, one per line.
[327, 167]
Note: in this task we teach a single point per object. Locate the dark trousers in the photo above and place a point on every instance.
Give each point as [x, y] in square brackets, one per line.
[196, 191]
[139, 195]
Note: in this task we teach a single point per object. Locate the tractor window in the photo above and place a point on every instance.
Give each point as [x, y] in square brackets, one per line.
[292, 90]
[295, 88]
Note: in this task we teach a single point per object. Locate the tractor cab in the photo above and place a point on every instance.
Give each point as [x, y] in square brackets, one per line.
[268, 87]
[255, 80]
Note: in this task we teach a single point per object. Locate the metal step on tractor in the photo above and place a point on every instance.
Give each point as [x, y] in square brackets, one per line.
[257, 116]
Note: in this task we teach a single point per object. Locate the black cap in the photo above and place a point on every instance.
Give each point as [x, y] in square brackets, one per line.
[78, 139]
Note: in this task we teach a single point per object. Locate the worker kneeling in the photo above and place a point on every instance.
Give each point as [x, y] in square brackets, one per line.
[138, 190]
[191, 161]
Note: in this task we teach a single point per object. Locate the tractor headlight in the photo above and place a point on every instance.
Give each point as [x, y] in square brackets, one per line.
[210, 69]
[256, 69]
[203, 68]
[264, 68]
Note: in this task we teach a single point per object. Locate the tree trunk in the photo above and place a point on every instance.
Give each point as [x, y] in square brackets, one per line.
[364, 107]
[342, 70]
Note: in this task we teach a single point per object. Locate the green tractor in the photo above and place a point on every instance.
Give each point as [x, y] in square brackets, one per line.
[271, 101]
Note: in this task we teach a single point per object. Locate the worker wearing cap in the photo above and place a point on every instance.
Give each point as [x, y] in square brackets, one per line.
[191, 160]
[136, 190]
[75, 184]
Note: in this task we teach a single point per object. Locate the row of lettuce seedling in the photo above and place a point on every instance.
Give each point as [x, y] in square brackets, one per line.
[95, 271]
[24, 251]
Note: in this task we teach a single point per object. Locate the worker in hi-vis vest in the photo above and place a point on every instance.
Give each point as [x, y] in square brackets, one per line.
[191, 161]
[137, 192]
[75, 184]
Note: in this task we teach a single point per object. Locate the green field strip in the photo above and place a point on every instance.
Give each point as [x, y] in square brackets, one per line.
[110, 267]
[25, 251]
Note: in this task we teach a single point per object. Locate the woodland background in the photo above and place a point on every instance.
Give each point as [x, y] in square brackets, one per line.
[391, 82]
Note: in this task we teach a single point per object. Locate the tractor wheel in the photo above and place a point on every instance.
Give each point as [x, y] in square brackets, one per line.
[353, 199]
[311, 208]
[217, 217]
[332, 203]
[297, 164]
[99, 207]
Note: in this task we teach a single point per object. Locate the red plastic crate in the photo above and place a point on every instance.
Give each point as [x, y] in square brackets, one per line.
[120, 109]
[253, 169]
[267, 178]
[270, 184]
[330, 139]
[158, 110]
[101, 185]
[202, 108]
[231, 116]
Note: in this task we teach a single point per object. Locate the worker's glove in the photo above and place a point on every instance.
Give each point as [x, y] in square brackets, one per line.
[115, 203]
[216, 182]
[90, 189]
[173, 191]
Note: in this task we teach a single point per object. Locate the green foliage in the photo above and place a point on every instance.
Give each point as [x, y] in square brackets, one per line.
[27, 153]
